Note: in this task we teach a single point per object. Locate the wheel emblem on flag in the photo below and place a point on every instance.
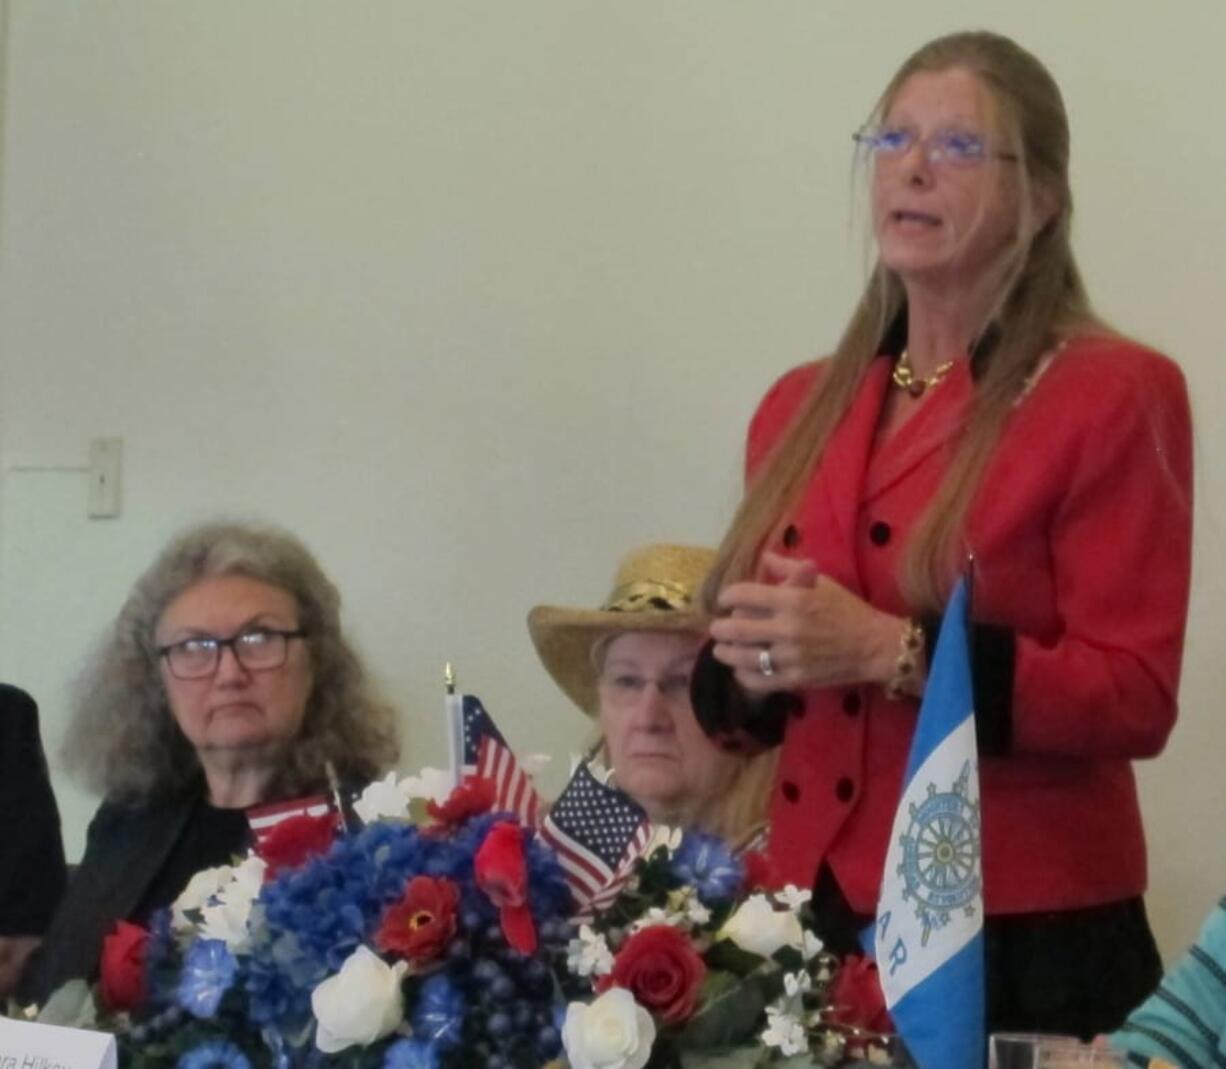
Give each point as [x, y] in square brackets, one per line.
[940, 855]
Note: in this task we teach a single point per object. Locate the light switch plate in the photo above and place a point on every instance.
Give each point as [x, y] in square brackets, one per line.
[105, 463]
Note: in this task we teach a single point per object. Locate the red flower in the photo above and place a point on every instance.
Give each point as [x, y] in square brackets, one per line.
[295, 840]
[661, 969]
[761, 872]
[421, 924]
[123, 967]
[502, 873]
[470, 799]
[856, 997]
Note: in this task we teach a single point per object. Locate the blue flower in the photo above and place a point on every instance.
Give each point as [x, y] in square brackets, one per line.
[411, 1054]
[277, 1047]
[219, 1055]
[706, 864]
[208, 973]
[279, 981]
[439, 1013]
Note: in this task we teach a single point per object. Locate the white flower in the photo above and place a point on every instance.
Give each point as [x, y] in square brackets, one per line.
[432, 784]
[687, 907]
[785, 1032]
[663, 836]
[381, 799]
[200, 888]
[793, 897]
[813, 945]
[589, 954]
[614, 1032]
[227, 912]
[248, 877]
[697, 913]
[758, 927]
[360, 1004]
[796, 984]
[657, 916]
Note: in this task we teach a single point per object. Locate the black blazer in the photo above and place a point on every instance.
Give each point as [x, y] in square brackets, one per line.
[32, 872]
[125, 849]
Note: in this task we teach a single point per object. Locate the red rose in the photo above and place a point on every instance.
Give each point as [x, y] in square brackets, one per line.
[761, 872]
[856, 997]
[502, 873]
[421, 924]
[661, 969]
[123, 967]
[471, 798]
[295, 840]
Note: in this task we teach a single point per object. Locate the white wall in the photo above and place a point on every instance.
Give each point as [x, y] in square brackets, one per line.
[475, 296]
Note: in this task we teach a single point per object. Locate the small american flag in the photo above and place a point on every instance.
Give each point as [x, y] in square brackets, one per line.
[485, 754]
[261, 819]
[597, 832]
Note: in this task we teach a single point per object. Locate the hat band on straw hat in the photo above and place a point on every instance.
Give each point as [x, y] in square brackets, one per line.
[645, 595]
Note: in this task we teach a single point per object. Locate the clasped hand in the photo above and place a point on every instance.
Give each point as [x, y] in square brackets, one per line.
[818, 633]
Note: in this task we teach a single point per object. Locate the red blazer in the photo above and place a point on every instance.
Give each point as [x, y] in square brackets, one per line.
[1081, 533]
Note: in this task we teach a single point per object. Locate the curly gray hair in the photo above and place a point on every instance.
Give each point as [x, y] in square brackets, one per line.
[124, 741]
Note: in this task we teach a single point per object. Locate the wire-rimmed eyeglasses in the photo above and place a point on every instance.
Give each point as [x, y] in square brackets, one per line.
[954, 148]
[624, 688]
[259, 649]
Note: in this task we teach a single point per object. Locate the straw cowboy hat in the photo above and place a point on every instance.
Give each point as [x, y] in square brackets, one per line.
[655, 589]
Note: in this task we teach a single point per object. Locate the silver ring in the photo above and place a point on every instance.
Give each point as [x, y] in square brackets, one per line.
[765, 665]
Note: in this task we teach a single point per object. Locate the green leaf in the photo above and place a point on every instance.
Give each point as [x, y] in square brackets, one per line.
[730, 1011]
[726, 955]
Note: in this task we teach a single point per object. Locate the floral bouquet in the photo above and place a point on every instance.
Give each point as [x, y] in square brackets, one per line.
[403, 945]
[696, 962]
[443, 933]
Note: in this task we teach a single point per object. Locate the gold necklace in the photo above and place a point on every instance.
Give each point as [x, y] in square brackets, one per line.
[904, 377]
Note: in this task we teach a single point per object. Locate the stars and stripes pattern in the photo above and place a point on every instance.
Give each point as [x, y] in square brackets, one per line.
[485, 754]
[596, 831]
[261, 819]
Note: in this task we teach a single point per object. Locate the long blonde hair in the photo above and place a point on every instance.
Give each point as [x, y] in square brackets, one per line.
[1040, 300]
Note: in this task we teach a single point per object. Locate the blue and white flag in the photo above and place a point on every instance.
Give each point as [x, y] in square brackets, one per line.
[929, 930]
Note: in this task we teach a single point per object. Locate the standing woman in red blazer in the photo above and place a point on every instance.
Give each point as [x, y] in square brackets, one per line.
[975, 405]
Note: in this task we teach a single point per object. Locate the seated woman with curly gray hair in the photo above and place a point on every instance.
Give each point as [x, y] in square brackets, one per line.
[224, 683]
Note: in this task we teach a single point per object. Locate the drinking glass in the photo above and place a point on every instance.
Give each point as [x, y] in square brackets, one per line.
[1014, 1050]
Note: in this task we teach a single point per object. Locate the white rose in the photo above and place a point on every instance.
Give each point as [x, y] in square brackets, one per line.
[382, 799]
[360, 1004]
[200, 888]
[761, 929]
[248, 877]
[228, 911]
[614, 1032]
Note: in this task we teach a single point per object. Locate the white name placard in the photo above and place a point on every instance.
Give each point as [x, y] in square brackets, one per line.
[24, 1045]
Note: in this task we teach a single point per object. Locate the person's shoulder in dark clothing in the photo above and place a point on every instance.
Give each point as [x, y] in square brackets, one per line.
[32, 870]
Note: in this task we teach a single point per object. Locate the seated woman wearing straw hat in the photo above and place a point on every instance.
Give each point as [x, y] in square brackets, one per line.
[627, 665]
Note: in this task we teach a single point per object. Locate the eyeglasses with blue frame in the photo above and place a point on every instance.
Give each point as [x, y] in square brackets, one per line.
[955, 148]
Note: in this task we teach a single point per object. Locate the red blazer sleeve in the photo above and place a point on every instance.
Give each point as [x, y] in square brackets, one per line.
[1120, 549]
[775, 412]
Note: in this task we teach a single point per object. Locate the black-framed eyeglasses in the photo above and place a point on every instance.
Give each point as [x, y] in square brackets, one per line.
[953, 148]
[259, 649]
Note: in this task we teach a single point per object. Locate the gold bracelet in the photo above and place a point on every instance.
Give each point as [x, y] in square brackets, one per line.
[910, 650]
